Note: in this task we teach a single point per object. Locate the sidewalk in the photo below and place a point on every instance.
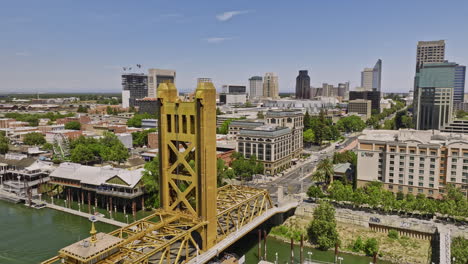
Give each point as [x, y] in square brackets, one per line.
[71, 211]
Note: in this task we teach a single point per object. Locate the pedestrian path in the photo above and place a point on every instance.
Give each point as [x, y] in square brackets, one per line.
[82, 214]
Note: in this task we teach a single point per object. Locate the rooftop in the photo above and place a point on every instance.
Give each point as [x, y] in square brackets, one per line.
[411, 135]
[84, 250]
[97, 175]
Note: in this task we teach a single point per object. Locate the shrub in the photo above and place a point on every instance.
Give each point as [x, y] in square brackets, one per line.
[393, 234]
[371, 247]
[358, 245]
[315, 191]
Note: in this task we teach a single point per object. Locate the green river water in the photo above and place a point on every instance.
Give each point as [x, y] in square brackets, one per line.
[29, 236]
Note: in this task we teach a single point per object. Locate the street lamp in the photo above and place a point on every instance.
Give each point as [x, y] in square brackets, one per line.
[1, 180]
[340, 259]
[310, 256]
[276, 258]
[126, 216]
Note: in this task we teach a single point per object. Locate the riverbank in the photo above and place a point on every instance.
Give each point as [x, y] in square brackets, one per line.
[402, 250]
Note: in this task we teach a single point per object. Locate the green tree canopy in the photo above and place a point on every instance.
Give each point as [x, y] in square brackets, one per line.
[459, 250]
[81, 154]
[322, 229]
[150, 180]
[73, 125]
[371, 247]
[82, 109]
[246, 168]
[351, 124]
[34, 138]
[135, 121]
[4, 147]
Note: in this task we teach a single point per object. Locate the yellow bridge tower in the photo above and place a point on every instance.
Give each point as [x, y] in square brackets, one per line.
[195, 215]
[187, 154]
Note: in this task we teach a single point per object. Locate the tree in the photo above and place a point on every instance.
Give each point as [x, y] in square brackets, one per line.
[306, 121]
[220, 169]
[322, 229]
[140, 138]
[150, 180]
[325, 168]
[358, 245]
[458, 250]
[135, 121]
[4, 147]
[309, 136]
[246, 168]
[81, 154]
[315, 191]
[82, 109]
[371, 247]
[224, 128]
[73, 125]
[34, 138]
[340, 192]
[351, 124]
[260, 115]
[218, 111]
[373, 122]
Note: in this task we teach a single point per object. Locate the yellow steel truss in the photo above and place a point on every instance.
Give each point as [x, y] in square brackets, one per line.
[195, 214]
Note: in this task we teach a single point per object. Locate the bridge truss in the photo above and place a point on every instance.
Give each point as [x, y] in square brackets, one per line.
[174, 237]
[195, 215]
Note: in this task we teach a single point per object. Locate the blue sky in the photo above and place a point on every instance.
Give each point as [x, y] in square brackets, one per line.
[80, 46]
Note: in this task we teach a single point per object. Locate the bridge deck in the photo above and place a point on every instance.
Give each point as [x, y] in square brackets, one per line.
[171, 237]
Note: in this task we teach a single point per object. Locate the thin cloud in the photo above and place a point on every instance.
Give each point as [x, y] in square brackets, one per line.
[22, 54]
[217, 39]
[230, 14]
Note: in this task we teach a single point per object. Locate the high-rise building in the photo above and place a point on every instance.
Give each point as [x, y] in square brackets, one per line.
[429, 52]
[256, 87]
[371, 78]
[434, 93]
[270, 86]
[459, 84]
[373, 96]
[328, 90]
[134, 86]
[234, 89]
[303, 85]
[157, 76]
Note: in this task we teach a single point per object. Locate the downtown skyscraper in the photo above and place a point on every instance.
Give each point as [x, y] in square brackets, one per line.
[429, 52]
[303, 85]
[270, 86]
[256, 87]
[371, 78]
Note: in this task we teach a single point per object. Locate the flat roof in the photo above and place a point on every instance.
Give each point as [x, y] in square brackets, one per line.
[85, 250]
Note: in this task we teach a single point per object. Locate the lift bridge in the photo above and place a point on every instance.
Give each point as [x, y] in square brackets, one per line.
[196, 220]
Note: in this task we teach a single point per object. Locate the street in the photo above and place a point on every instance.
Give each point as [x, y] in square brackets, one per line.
[298, 178]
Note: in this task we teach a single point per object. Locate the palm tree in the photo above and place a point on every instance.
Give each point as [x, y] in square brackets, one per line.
[325, 167]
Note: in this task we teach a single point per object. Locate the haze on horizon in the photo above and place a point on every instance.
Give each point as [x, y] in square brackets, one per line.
[81, 46]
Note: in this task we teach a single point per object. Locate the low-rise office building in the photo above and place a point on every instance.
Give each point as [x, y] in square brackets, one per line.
[412, 161]
[237, 125]
[361, 107]
[277, 144]
[270, 144]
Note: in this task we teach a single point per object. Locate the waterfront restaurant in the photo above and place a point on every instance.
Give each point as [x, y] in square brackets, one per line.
[20, 173]
[104, 187]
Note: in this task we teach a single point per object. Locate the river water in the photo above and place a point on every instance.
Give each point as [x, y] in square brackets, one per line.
[29, 236]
